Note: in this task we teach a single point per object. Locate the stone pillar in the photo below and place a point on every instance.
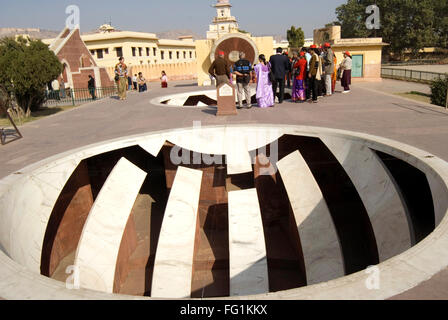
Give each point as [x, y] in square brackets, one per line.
[226, 100]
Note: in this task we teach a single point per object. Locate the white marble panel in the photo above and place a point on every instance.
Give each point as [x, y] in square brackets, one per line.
[378, 193]
[318, 236]
[98, 248]
[237, 155]
[153, 144]
[219, 140]
[248, 262]
[173, 266]
[26, 209]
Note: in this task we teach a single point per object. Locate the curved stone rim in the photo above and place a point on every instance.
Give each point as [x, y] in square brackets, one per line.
[398, 274]
[158, 100]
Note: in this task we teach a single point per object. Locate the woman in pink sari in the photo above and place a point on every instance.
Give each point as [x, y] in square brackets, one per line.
[265, 95]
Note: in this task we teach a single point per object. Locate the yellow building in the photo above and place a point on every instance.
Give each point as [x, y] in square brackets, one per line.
[143, 52]
[366, 52]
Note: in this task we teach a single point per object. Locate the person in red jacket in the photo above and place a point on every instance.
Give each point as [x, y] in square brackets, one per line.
[299, 73]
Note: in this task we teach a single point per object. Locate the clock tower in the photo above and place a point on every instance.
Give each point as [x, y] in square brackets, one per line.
[224, 22]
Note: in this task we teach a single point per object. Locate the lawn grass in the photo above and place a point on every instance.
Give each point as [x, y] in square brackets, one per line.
[415, 95]
[42, 113]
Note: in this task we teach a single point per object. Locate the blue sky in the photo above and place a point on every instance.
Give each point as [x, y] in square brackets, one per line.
[260, 17]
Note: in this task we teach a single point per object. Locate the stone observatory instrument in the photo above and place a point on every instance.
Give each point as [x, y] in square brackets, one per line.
[232, 45]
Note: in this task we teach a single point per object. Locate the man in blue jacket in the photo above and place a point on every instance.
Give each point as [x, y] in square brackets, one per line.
[243, 70]
[280, 66]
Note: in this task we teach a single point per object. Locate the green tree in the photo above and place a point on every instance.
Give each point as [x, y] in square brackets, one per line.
[351, 16]
[26, 66]
[296, 37]
[405, 24]
[441, 22]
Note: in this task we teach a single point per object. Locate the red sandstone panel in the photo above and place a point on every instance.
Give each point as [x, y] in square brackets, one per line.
[127, 248]
[67, 220]
[106, 81]
[286, 266]
[210, 276]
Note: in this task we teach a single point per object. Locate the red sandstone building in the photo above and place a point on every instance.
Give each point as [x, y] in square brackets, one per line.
[78, 62]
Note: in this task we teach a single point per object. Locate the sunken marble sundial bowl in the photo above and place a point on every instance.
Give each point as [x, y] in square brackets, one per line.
[253, 211]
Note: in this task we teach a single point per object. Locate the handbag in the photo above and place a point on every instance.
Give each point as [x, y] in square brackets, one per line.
[117, 77]
[297, 72]
[271, 75]
[339, 74]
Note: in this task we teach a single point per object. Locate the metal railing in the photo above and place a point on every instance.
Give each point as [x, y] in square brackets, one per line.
[412, 75]
[412, 62]
[77, 96]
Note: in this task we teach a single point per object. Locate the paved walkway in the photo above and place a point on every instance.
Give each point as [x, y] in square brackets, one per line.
[365, 109]
[395, 86]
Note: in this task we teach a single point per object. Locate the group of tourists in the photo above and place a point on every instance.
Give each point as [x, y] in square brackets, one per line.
[314, 72]
[137, 82]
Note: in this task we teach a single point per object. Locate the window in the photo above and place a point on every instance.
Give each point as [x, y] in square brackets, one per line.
[154, 51]
[185, 55]
[92, 52]
[162, 55]
[99, 53]
[106, 51]
[133, 51]
[147, 52]
[177, 55]
[119, 51]
[140, 51]
[191, 55]
[171, 54]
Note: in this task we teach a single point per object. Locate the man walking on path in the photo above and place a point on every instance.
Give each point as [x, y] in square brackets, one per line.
[220, 70]
[91, 86]
[279, 66]
[315, 72]
[121, 76]
[329, 68]
[243, 69]
[308, 56]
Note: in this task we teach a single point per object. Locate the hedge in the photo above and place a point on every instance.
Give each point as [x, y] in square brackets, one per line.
[438, 92]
